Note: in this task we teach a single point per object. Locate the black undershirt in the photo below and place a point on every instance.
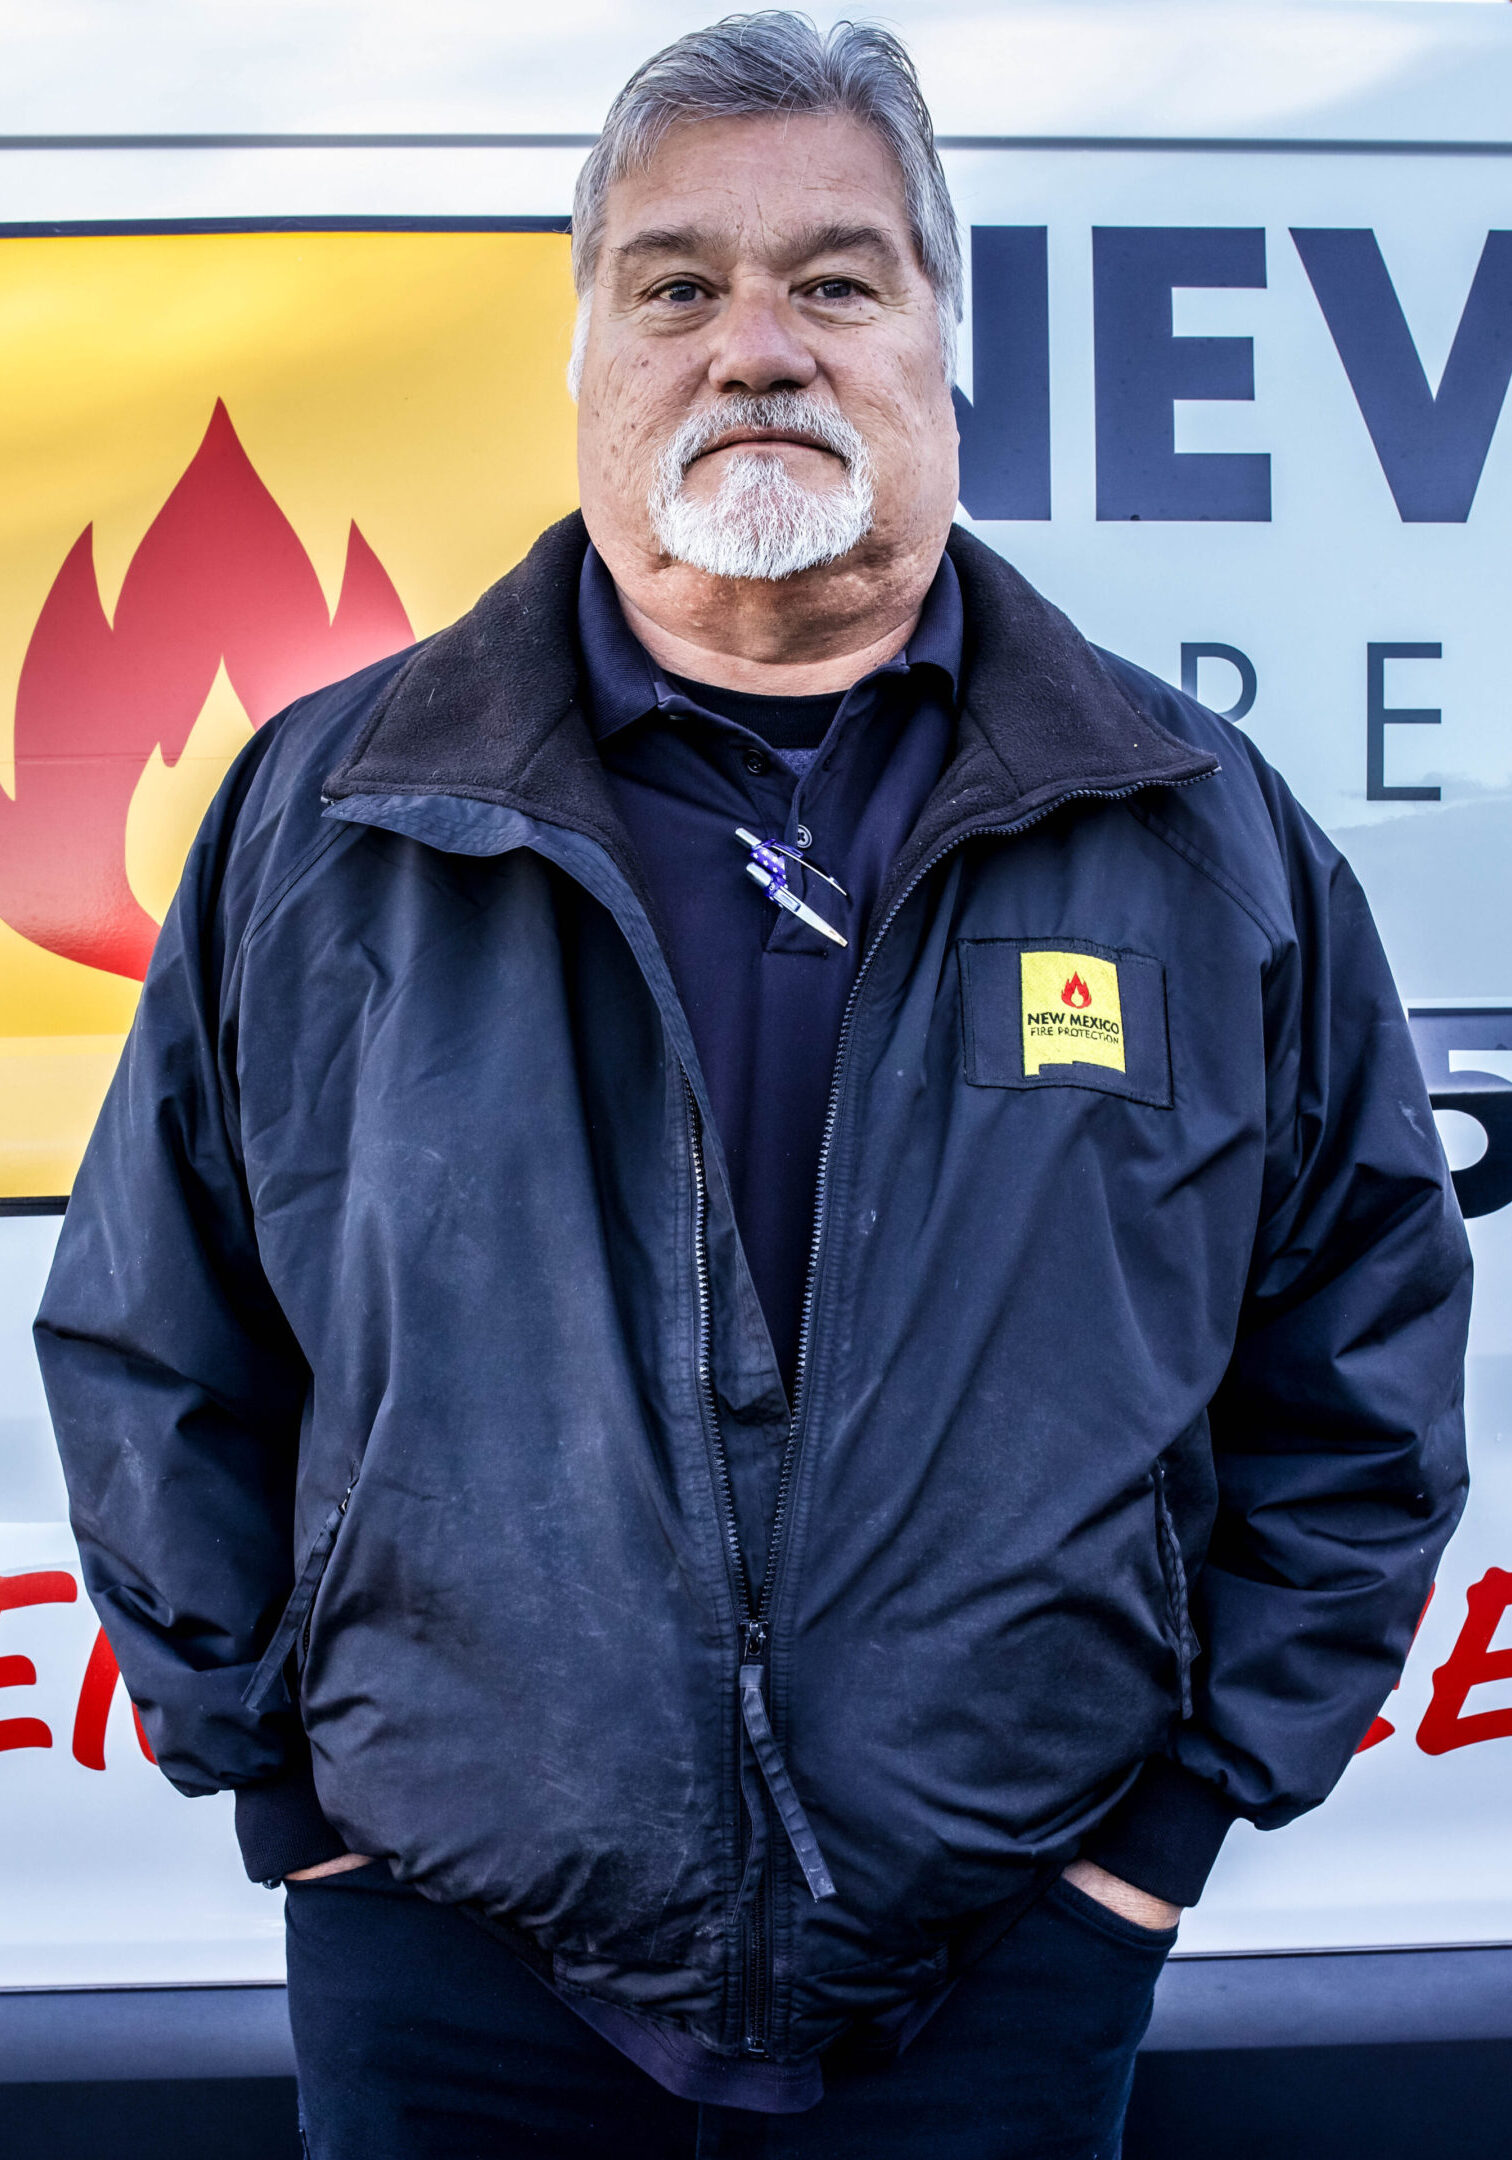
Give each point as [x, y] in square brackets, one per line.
[784, 723]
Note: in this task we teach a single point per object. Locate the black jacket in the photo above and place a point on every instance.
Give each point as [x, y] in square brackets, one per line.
[400, 1344]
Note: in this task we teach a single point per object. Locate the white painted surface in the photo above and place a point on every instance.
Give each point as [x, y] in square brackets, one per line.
[109, 1876]
[106, 1876]
[1119, 67]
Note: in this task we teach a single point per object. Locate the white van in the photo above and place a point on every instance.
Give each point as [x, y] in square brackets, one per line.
[1233, 387]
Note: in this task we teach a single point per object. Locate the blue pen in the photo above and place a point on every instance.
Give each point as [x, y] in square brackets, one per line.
[768, 866]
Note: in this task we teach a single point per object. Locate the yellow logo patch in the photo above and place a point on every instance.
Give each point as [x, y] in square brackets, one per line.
[1072, 1014]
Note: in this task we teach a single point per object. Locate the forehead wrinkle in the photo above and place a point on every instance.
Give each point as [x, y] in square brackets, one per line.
[780, 251]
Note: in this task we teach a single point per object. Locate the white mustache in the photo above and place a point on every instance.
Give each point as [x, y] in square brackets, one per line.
[784, 411]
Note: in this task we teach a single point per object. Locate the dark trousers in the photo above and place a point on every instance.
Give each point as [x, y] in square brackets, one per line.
[420, 2037]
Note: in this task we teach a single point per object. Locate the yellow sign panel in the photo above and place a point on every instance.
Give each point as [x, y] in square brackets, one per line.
[1072, 1014]
[237, 466]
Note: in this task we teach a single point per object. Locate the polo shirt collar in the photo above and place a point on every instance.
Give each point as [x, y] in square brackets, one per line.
[625, 684]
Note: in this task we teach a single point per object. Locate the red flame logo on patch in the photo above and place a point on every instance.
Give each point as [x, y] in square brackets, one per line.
[1076, 994]
[220, 575]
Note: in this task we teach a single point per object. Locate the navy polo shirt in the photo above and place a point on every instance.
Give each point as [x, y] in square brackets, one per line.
[765, 996]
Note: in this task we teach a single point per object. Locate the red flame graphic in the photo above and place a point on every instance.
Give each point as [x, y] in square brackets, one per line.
[220, 575]
[1076, 994]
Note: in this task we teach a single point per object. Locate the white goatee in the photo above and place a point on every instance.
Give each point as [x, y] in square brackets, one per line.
[761, 523]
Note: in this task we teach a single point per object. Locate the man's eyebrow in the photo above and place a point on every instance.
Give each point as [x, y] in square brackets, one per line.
[664, 240]
[802, 246]
[841, 240]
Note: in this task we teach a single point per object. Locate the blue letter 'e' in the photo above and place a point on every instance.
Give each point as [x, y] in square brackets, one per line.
[1142, 368]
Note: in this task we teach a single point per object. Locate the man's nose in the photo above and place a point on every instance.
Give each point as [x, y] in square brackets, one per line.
[759, 347]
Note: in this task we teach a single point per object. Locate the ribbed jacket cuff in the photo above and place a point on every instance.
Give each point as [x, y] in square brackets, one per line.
[1164, 1834]
[280, 1827]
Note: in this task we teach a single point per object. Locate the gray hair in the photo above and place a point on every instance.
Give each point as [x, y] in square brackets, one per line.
[778, 62]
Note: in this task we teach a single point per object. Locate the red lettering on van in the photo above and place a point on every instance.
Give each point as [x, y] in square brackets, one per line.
[44, 1586]
[93, 1714]
[1470, 1664]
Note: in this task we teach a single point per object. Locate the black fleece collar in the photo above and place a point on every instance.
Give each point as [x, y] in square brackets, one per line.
[490, 708]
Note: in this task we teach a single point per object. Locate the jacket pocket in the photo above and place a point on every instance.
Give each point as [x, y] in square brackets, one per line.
[268, 1686]
[1178, 1607]
[1065, 1012]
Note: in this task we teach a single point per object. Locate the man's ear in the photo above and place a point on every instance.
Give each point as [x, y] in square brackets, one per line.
[579, 345]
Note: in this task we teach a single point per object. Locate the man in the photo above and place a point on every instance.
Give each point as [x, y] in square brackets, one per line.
[724, 1669]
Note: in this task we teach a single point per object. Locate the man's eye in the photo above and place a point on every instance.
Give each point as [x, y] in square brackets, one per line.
[682, 292]
[835, 288]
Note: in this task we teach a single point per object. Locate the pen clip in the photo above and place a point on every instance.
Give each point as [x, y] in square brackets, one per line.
[768, 867]
[780, 847]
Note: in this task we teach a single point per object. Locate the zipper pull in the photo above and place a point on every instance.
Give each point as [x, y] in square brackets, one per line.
[774, 1771]
[753, 1637]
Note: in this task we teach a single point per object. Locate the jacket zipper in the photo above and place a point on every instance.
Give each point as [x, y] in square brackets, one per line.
[755, 1626]
[304, 1633]
[269, 1677]
[705, 1367]
[757, 2039]
[1178, 1607]
[754, 1958]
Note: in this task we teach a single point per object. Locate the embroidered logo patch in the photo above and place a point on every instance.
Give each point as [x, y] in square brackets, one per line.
[1072, 1014]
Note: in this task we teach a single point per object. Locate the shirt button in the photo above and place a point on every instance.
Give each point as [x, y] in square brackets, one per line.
[804, 837]
[754, 763]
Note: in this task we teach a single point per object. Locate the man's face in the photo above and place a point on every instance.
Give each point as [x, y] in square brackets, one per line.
[764, 259]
